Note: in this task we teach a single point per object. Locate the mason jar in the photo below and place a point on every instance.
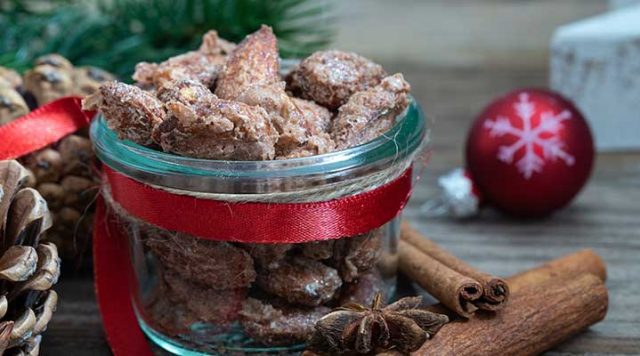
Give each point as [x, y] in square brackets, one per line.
[261, 285]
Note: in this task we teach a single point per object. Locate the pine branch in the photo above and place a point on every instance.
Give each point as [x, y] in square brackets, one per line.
[116, 34]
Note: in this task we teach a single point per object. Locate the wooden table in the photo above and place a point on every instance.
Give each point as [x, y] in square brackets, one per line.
[605, 217]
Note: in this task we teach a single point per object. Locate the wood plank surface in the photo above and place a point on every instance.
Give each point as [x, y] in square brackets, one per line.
[606, 217]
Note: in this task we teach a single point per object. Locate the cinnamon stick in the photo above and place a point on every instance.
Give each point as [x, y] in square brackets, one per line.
[566, 267]
[548, 305]
[569, 266]
[537, 319]
[495, 291]
[451, 288]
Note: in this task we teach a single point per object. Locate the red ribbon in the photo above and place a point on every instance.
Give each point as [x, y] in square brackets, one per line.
[261, 222]
[110, 261]
[42, 127]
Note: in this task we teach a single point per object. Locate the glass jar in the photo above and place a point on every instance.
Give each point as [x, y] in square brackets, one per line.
[194, 296]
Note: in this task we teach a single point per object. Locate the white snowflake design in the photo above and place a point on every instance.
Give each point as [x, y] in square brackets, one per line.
[529, 137]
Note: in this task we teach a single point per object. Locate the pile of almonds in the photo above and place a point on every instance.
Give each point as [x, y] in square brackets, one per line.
[229, 102]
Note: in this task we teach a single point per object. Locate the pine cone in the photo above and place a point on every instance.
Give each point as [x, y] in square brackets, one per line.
[12, 105]
[63, 173]
[28, 269]
[14, 101]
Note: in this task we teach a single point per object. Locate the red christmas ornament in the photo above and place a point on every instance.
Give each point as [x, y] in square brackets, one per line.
[529, 152]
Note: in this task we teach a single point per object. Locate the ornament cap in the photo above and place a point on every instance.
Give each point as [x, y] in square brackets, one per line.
[457, 197]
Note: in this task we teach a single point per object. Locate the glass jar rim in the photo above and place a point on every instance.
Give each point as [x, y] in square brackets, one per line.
[139, 162]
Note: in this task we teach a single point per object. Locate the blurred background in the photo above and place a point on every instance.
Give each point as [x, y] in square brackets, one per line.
[458, 33]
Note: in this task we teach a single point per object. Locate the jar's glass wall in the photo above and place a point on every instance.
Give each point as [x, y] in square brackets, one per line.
[209, 296]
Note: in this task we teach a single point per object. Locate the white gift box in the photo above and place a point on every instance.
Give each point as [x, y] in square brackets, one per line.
[596, 63]
[616, 4]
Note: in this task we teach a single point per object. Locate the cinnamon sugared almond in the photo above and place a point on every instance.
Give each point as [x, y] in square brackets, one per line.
[219, 265]
[202, 65]
[291, 279]
[217, 129]
[129, 111]
[254, 61]
[370, 113]
[281, 325]
[331, 77]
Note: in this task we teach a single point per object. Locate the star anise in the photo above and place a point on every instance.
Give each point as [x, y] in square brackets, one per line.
[356, 329]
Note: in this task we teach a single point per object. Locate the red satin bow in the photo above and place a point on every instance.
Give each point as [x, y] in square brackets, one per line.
[42, 127]
[112, 280]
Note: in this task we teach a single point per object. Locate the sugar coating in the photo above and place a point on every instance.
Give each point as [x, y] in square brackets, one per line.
[185, 91]
[331, 77]
[206, 303]
[283, 113]
[315, 145]
[281, 325]
[370, 113]
[168, 316]
[357, 254]
[202, 65]
[318, 250]
[300, 123]
[249, 113]
[231, 104]
[363, 289]
[254, 61]
[317, 118]
[267, 255]
[301, 281]
[129, 111]
[213, 128]
[217, 265]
